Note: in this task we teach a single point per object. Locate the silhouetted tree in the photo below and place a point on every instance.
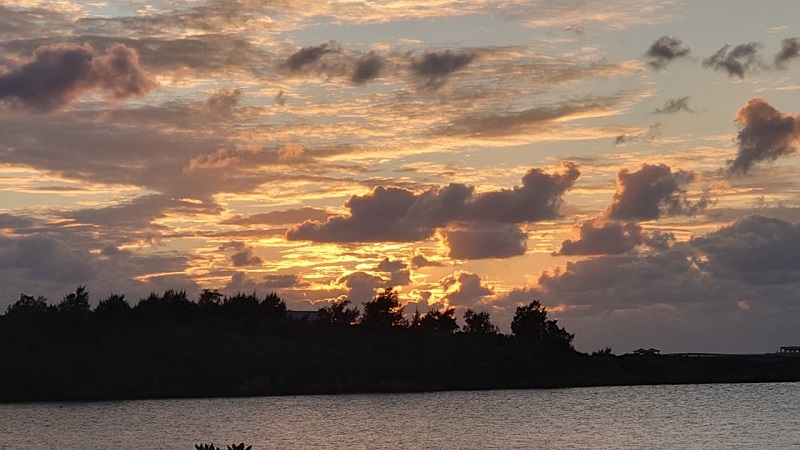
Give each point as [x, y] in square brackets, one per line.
[530, 324]
[273, 306]
[209, 301]
[478, 323]
[384, 311]
[241, 305]
[436, 320]
[113, 308]
[337, 313]
[29, 307]
[75, 305]
[172, 305]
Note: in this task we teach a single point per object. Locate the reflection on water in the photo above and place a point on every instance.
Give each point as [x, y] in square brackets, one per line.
[701, 416]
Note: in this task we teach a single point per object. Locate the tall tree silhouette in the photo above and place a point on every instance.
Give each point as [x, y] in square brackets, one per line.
[75, 305]
[273, 306]
[384, 311]
[531, 325]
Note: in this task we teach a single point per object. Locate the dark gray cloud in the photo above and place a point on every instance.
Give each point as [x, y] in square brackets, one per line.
[367, 68]
[401, 215]
[59, 74]
[766, 134]
[14, 222]
[224, 100]
[664, 50]
[206, 54]
[361, 286]
[675, 105]
[494, 241]
[433, 69]
[652, 192]
[738, 62]
[246, 258]
[753, 249]
[308, 57]
[399, 275]
[741, 272]
[464, 289]
[603, 237]
[41, 257]
[374, 217]
[241, 282]
[333, 62]
[419, 260]
[790, 50]
[41, 264]
[748, 253]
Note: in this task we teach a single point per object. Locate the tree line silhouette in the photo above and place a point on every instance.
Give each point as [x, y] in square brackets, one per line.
[384, 311]
[168, 345]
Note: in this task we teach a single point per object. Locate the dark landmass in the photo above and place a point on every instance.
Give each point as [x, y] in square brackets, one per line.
[178, 348]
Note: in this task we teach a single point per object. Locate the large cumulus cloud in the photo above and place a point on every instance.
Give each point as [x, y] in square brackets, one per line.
[766, 134]
[492, 241]
[401, 215]
[652, 192]
[61, 73]
[598, 237]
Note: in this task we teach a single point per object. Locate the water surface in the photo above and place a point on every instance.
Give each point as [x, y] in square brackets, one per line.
[723, 416]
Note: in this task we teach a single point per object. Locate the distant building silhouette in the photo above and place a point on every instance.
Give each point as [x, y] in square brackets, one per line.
[649, 351]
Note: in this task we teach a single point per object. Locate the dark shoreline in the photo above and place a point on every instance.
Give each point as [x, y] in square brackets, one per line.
[236, 358]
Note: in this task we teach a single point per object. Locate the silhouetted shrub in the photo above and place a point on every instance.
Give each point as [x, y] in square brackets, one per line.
[338, 314]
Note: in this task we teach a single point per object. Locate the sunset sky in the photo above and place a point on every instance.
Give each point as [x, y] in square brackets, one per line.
[631, 164]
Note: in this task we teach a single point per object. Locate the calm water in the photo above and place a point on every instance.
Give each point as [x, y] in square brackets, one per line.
[751, 416]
